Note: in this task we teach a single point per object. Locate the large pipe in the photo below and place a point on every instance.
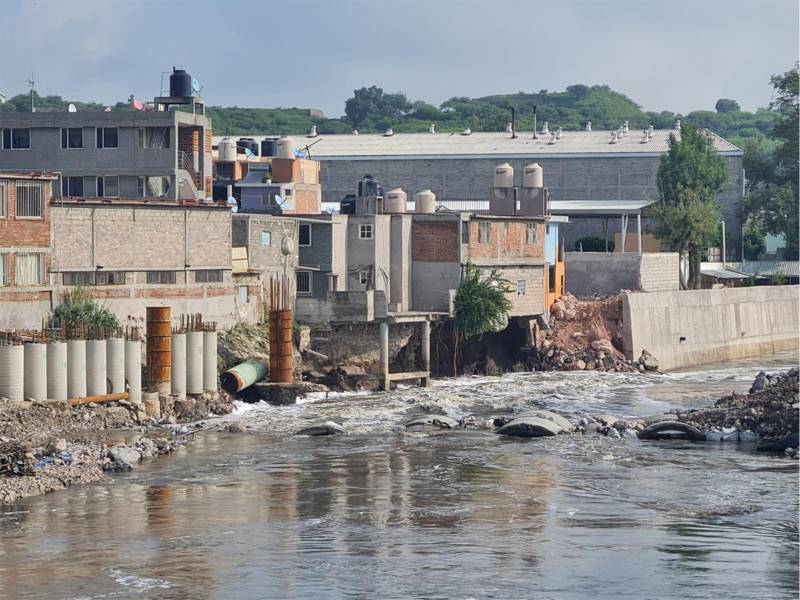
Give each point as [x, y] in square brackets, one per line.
[35, 359]
[76, 368]
[115, 364]
[133, 370]
[159, 348]
[194, 362]
[57, 371]
[210, 360]
[12, 372]
[96, 384]
[242, 375]
[178, 375]
[98, 399]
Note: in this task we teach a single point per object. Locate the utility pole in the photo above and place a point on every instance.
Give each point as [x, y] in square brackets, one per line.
[31, 83]
[723, 244]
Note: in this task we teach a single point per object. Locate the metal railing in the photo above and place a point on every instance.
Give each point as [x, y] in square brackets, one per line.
[186, 163]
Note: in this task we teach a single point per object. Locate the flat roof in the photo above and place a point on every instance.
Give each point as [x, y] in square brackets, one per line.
[598, 208]
[140, 202]
[490, 144]
[30, 175]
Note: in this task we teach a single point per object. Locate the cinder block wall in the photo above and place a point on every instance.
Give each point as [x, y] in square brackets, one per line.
[590, 273]
[692, 327]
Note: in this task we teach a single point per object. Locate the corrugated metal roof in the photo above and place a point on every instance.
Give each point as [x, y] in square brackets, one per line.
[722, 274]
[790, 268]
[366, 146]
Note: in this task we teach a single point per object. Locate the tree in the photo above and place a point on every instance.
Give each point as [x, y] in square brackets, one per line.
[726, 105]
[372, 104]
[772, 198]
[481, 304]
[80, 313]
[687, 215]
[753, 241]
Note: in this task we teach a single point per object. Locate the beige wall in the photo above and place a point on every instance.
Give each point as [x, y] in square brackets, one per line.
[532, 302]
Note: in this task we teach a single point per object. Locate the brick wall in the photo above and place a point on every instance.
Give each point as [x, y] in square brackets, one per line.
[20, 234]
[507, 239]
[433, 241]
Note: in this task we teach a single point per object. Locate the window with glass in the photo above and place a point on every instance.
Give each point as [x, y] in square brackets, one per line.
[465, 232]
[154, 137]
[28, 268]
[108, 186]
[71, 137]
[161, 277]
[29, 199]
[16, 139]
[521, 286]
[530, 234]
[303, 282]
[484, 232]
[208, 276]
[93, 278]
[304, 234]
[107, 137]
[72, 186]
[365, 231]
[3, 199]
[266, 238]
[365, 278]
[3, 270]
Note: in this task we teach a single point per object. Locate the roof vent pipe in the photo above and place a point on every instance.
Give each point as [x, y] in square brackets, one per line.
[467, 131]
[620, 132]
[432, 128]
[650, 132]
[588, 126]
[389, 132]
[313, 132]
[546, 127]
[678, 124]
[355, 131]
[625, 126]
[553, 137]
[558, 133]
[613, 137]
[645, 137]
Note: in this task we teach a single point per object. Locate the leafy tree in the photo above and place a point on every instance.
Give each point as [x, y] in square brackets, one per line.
[772, 198]
[753, 240]
[481, 304]
[81, 312]
[726, 105]
[687, 215]
[372, 104]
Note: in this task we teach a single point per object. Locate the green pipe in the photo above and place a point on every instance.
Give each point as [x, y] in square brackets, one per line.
[243, 375]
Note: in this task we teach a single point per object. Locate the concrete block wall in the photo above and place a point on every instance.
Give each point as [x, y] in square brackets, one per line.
[590, 273]
[692, 327]
[658, 272]
[532, 301]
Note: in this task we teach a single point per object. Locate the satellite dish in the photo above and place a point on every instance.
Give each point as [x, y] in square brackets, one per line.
[137, 104]
[107, 109]
[287, 246]
[196, 86]
[249, 153]
[72, 108]
[232, 204]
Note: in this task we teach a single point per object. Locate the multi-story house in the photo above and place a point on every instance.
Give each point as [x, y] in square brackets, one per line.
[136, 154]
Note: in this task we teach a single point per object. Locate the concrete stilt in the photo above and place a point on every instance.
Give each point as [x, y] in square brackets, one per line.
[385, 383]
[425, 339]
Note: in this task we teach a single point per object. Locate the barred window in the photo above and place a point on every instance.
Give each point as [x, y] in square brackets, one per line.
[303, 282]
[208, 276]
[3, 270]
[484, 232]
[365, 231]
[365, 278]
[93, 278]
[161, 277]
[3, 199]
[521, 287]
[530, 234]
[29, 268]
[30, 199]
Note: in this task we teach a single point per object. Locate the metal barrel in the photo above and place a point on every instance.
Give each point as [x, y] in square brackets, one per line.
[280, 347]
[159, 348]
[242, 375]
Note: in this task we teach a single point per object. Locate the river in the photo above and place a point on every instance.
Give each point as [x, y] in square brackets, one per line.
[382, 513]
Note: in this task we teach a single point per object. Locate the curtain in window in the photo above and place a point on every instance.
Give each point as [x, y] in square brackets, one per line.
[28, 269]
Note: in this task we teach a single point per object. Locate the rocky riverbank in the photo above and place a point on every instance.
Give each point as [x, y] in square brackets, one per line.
[48, 446]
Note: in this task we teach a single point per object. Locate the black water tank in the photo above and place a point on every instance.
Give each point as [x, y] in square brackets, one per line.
[369, 186]
[347, 205]
[269, 147]
[180, 84]
[247, 143]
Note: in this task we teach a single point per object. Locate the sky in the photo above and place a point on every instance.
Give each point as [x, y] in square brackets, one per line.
[677, 55]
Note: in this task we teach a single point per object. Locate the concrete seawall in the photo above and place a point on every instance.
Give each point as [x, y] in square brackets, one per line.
[693, 327]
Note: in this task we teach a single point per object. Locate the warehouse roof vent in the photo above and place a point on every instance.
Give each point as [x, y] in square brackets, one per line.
[678, 124]
[588, 125]
[510, 128]
[558, 133]
[625, 126]
[614, 138]
[546, 127]
[313, 132]
[553, 137]
[355, 131]
[432, 128]
[388, 133]
[467, 131]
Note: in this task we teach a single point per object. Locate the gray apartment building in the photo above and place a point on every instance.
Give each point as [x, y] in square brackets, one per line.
[136, 154]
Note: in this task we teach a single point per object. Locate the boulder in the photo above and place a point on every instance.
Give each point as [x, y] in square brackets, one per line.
[790, 441]
[124, 458]
[563, 423]
[530, 427]
[438, 421]
[326, 428]
[237, 428]
[671, 430]
[580, 365]
[649, 361]
[760, 383]
[603, 346]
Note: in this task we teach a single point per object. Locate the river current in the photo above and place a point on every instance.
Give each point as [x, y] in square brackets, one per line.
[383, 513]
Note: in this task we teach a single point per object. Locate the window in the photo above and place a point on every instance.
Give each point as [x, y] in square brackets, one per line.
[303, 282]
[153, 137]
[30, 199]
[3, 270]
[161, 277]
[244, 298]
[365, 278]
[208, 276]
[107, 137]
[304, 234]
[108, 186]
[28, 268]
[3, 199]
[484, 232]
[16, 139]
[530, 234]
[268, 199]
[93, 278]
[140, 187]
[72, 186]
[266, 238]
[365, 231]
[520, 287]
[333, 283]
[506, 228]
[465, 232]
[71, 137]
[288, 192]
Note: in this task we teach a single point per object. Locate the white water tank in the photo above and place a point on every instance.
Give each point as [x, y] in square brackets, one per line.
[395, 201]
[425, 202]
[533, 176]
[226, 151]
[286, 147]
[504, 176]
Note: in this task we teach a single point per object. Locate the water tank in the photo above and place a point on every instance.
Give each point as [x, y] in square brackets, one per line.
[533, 176]
[504, 176]
[395, 201]
[247, 144]
[347, 205]
[226, 150]
[369, 186]
[425, 202]
[285, 147]
[269, 147]
[180, 83]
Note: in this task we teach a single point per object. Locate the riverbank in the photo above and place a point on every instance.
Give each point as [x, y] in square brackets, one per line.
[48, 446]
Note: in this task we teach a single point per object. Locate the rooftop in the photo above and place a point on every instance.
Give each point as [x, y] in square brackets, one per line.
[29, 175]
[501, 144]
[140, 202]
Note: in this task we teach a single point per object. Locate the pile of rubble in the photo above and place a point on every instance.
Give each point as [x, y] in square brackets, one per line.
[586, 335]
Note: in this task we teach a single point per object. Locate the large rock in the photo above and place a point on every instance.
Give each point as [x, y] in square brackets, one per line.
[648, 361]
[124, 458]
[671, 430]
[530, 427]
[760, 383]
[437, 421]
[326, 428]
[603, 346]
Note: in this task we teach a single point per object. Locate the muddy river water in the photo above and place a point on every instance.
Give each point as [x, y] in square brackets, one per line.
[382, 513]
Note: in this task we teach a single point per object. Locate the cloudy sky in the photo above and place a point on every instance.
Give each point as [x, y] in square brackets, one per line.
[677, 55]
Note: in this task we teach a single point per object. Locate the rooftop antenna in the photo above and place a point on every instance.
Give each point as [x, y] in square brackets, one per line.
[31, 84]
[534, 121]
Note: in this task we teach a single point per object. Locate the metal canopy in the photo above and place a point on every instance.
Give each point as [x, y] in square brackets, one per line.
[605, 210]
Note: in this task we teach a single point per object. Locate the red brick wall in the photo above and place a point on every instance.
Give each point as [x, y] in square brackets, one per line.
[433, 241]
[25, 232]
[208, 140]
[507, 240]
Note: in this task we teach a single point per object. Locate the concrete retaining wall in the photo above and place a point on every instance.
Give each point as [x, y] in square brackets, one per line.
[693, 327]
[589, 273]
